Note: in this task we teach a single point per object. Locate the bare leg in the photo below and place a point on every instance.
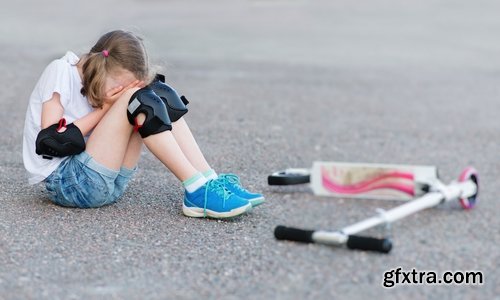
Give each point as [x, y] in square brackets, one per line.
[109, 141]
[189, 146]
[113, 145]
[166, 149]
[133, 151]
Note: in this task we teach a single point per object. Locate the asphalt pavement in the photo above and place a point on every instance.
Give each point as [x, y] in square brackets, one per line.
[272, 84]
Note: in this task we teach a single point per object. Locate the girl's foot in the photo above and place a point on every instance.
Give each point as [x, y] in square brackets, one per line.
[232, 183]
[215, 201]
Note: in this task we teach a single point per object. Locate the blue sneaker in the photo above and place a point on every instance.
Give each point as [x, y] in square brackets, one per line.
[215, 201]
[233, 184]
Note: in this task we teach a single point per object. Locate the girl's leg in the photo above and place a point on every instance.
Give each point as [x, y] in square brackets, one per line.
[112, 144]
[164, 146]
[189, 146]
[133, 153]
[208, 198]
[110, 140]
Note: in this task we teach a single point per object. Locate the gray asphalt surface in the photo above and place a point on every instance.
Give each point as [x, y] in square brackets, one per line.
[273, 84]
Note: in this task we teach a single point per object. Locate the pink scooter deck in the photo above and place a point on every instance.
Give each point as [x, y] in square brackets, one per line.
[374, 181]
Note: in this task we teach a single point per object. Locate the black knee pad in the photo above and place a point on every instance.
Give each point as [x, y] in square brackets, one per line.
[147, 102]
[176, 106]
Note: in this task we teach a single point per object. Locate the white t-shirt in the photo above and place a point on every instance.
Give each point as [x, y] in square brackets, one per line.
[60, 76]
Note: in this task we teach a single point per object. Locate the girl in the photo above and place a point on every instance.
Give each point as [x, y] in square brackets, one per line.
[95, 95]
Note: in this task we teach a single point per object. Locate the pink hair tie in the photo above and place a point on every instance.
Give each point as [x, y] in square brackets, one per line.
[105, 53]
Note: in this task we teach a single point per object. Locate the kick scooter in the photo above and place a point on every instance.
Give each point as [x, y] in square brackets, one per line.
[419, 186]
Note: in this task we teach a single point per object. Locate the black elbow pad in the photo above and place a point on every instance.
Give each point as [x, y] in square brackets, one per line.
[51, 143]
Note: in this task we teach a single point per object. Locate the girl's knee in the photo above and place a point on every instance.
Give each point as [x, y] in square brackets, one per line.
[121, 104]
[125, 97]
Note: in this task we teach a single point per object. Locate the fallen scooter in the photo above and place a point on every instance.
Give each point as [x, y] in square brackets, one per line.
[419, 186]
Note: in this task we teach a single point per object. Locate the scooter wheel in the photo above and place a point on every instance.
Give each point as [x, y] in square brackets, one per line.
[469, 174]
[289, 177]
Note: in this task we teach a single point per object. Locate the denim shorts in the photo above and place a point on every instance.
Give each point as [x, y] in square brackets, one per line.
[81, 182]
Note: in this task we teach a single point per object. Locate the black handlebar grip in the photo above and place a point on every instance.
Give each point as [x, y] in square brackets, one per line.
[369, 243]
[293, 234]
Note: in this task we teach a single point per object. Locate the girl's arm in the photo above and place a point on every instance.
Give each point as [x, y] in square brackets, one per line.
[89, 121]
[52, 112]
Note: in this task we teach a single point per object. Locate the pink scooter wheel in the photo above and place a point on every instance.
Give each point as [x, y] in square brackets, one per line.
[469, 174]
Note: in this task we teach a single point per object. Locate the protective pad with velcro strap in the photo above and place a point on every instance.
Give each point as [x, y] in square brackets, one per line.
[145, 101]
[52, 143]
[176, 106]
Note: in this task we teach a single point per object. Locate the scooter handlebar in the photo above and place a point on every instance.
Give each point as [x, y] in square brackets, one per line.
[369, 243]
[353, 241]
[293, 234]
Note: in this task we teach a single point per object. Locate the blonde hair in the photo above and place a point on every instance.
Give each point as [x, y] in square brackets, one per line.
[115, 50]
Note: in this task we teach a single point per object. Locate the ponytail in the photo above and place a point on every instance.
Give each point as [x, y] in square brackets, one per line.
[94, 78]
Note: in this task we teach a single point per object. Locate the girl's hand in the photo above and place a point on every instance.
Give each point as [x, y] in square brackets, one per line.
[113, 94]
